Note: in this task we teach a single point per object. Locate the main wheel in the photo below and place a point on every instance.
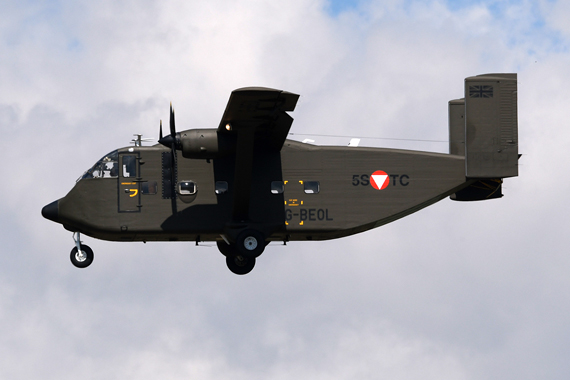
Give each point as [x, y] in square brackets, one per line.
[83, 258]
[250, 243]
[239, 264]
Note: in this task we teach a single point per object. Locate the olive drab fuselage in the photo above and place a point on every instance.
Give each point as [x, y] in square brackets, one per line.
[310, 192]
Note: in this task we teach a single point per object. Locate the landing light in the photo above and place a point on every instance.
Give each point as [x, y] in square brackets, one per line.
[228, 127]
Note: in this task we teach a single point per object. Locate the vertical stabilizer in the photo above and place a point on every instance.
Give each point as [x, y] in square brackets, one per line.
[457, 127]
[491, 127]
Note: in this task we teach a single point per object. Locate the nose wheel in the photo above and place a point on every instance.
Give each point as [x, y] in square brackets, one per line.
[81, 255]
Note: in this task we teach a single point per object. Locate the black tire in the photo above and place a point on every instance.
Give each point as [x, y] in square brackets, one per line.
[250, 244]
[226, 249]
[82, 261]
[239, 264]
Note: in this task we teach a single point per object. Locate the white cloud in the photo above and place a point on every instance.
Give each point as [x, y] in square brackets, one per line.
[456, 290]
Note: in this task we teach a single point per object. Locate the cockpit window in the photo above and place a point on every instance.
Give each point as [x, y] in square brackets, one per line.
[107, 167]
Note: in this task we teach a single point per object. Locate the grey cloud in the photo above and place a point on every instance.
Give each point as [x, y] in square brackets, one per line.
[454, 291]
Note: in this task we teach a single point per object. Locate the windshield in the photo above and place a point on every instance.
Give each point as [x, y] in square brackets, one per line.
[107, 167]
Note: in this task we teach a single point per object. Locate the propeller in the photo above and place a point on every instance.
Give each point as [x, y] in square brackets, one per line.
[173, 142]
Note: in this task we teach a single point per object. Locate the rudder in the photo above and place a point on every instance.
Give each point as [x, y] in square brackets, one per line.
[491, 126]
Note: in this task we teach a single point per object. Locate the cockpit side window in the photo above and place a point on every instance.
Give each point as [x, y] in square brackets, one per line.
[109, 169]
[106, 167]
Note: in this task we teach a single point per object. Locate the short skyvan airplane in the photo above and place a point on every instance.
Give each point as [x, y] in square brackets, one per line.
[243, 184]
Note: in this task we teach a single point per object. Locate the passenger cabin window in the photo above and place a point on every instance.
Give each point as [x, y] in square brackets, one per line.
[107, 167]
[221, 187]
[148, 187]
[311, 187]
[277, 187]
[187, 188]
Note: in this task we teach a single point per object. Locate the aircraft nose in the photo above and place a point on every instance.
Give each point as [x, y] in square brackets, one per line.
[51, 211]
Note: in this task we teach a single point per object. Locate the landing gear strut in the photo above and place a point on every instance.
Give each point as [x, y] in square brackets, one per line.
[81, 255]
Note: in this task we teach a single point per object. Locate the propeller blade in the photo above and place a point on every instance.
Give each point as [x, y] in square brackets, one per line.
[172, 141]
[172, 127]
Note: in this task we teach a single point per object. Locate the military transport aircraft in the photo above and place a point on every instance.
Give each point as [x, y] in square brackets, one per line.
[244, 184]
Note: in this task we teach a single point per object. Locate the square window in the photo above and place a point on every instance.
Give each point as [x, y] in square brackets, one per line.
[311, 187]
[187, 188]
[148, 187]
[221, 187]
[277, 187]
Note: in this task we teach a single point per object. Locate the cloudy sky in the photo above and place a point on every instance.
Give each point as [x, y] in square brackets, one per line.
[457, 291]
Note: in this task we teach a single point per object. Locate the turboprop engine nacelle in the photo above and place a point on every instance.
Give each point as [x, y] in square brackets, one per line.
[205, 144]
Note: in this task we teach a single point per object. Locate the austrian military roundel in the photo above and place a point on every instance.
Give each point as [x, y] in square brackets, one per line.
[379, 180]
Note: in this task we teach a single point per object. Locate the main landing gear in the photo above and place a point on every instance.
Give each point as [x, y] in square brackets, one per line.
[81, 255]
[240, 257]
[239, 264]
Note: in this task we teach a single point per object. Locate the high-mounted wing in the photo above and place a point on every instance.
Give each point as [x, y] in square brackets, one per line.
[262, 112]
[258, 117]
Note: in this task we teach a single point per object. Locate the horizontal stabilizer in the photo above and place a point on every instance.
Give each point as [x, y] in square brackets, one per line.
[480, 191]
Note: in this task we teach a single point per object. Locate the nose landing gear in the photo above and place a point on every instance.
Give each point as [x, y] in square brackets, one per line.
[81, 255]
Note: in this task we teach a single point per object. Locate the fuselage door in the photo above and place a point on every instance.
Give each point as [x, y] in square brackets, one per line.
[129, 183]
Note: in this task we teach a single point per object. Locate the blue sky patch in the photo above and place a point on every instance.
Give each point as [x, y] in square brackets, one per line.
[335, 7]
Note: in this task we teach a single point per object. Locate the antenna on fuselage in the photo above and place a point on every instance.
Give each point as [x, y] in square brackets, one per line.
[139, 140]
